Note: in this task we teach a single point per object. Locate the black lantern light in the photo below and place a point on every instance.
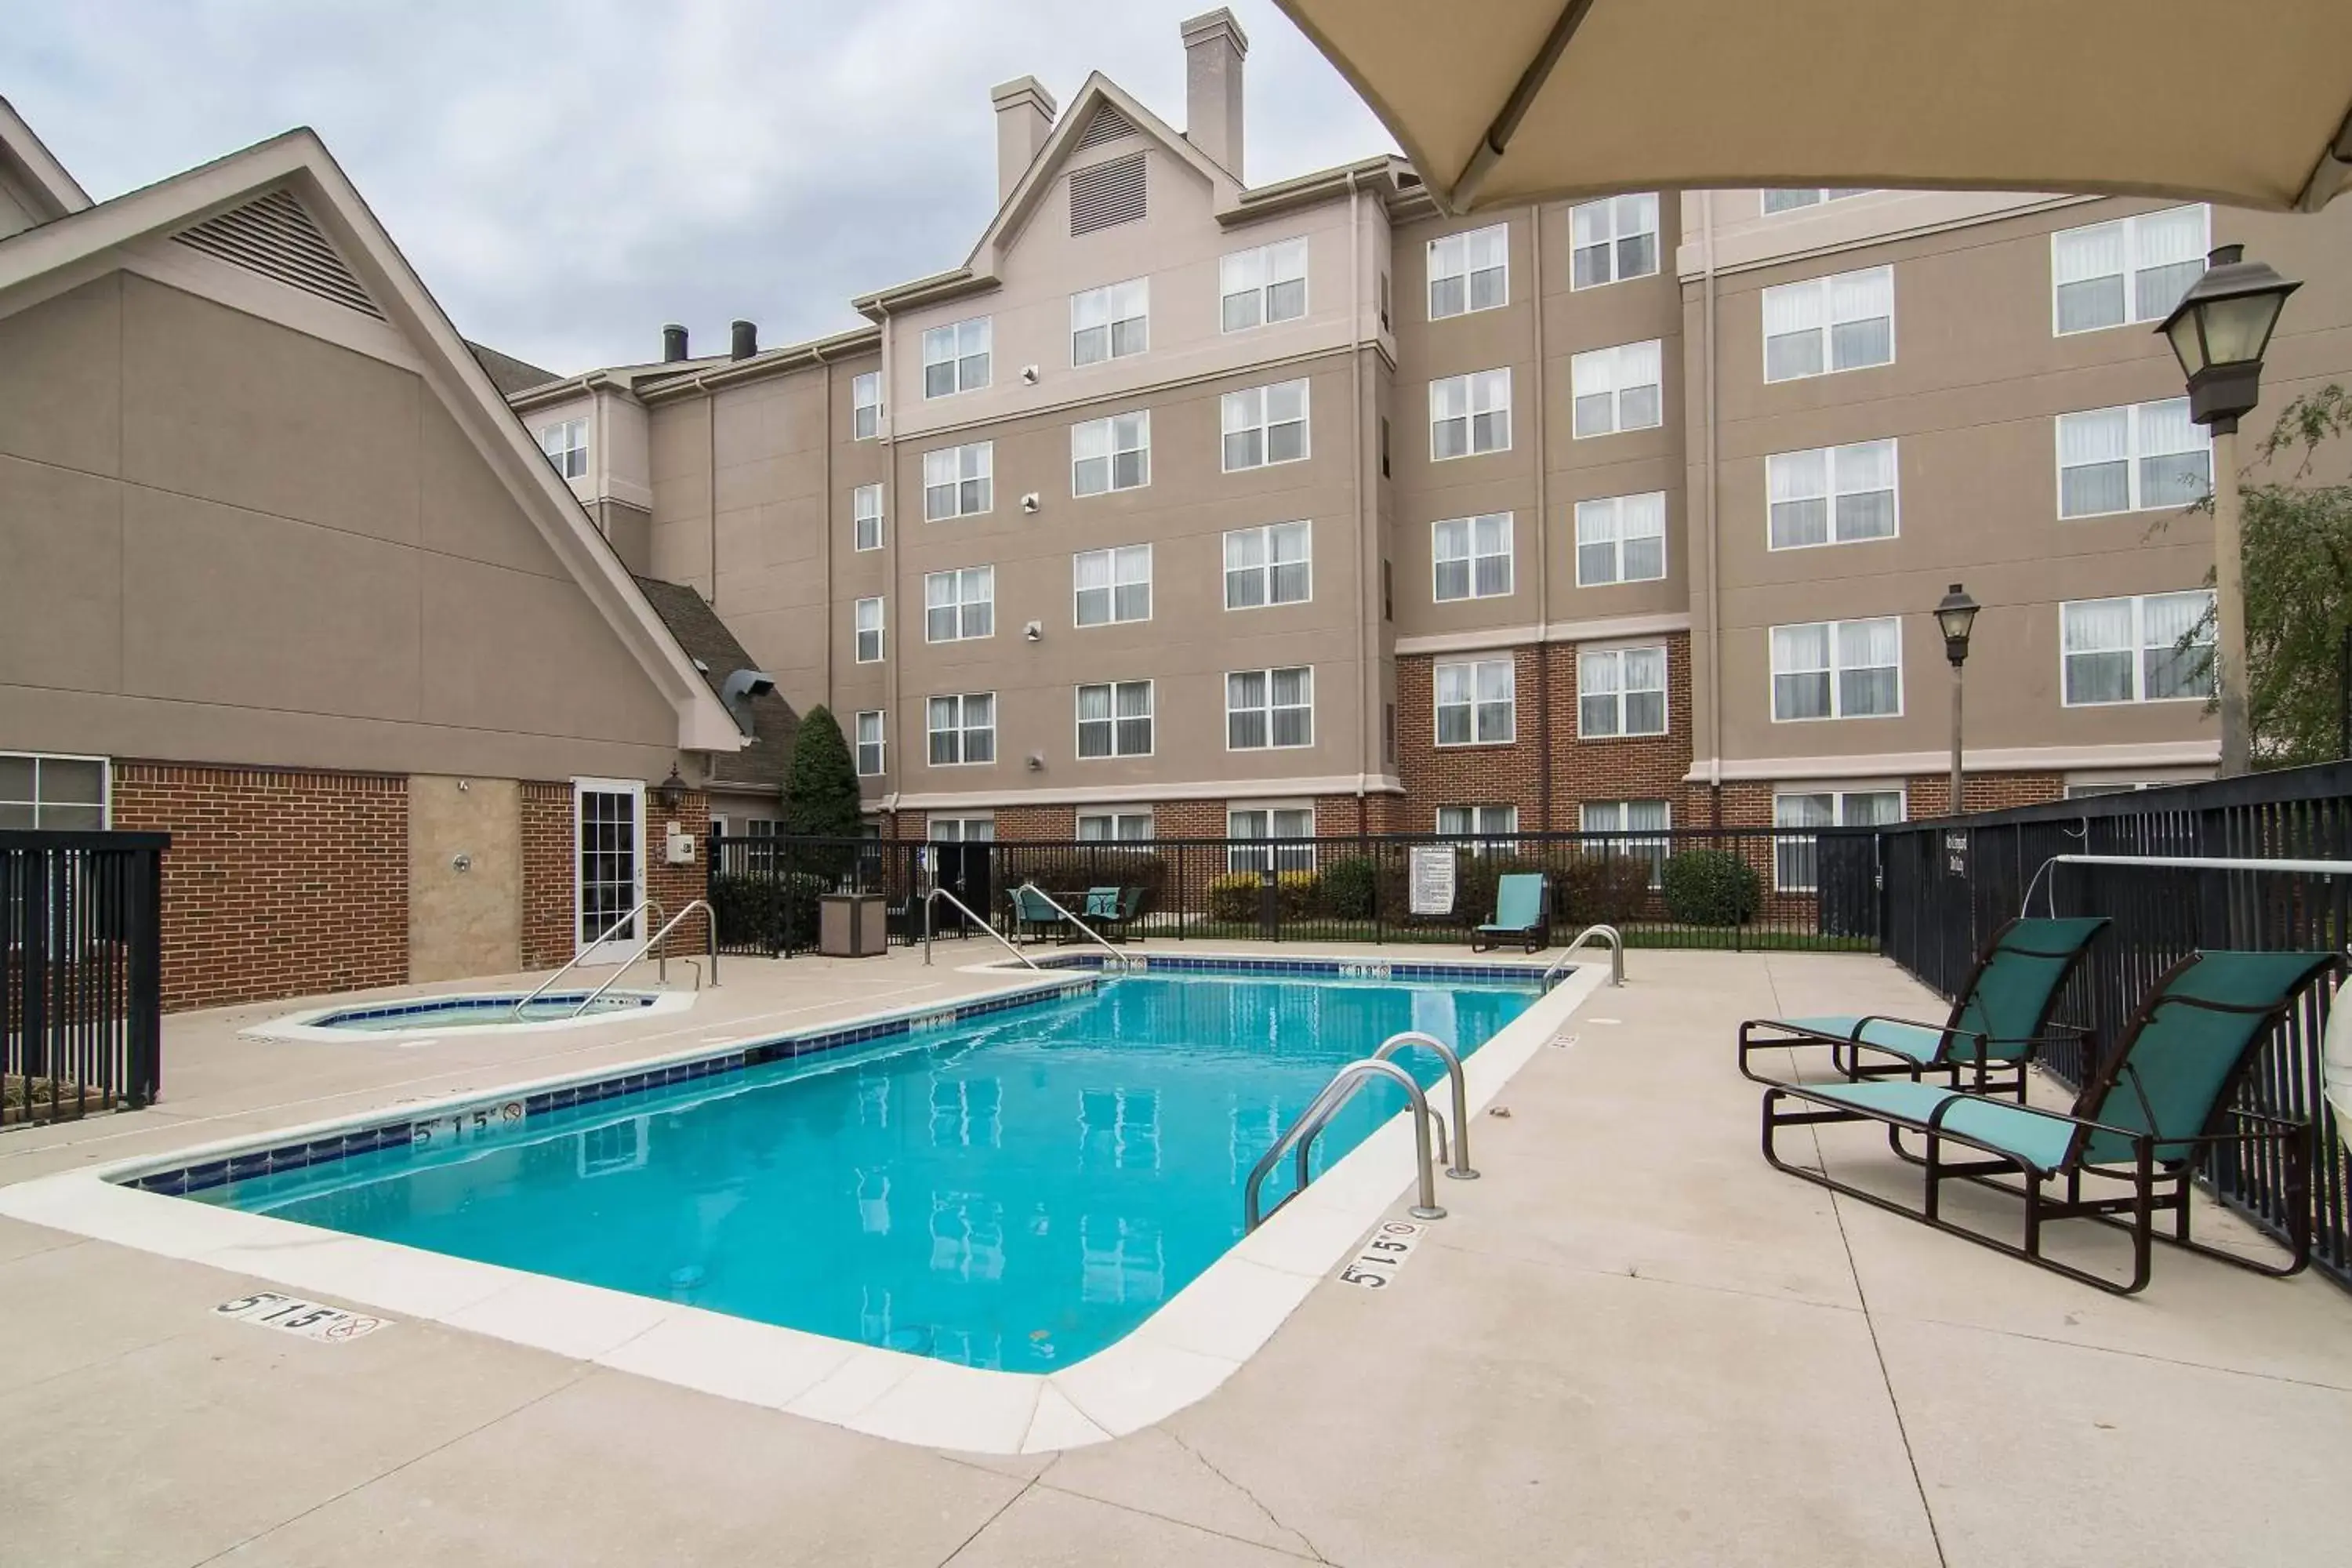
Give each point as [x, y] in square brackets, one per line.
[2219, 329]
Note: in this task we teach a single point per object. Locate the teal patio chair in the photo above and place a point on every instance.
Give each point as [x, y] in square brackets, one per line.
[1112, 910]
[2000, 1017]
[1522, 910]
[1032, 916]
[2159, 1101]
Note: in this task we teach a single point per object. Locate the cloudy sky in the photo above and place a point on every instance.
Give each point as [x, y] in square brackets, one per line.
[569, 174]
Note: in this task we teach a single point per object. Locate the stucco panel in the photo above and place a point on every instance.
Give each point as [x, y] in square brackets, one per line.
[509, 650]
[468, 510]
[61, 585]
[60, 380]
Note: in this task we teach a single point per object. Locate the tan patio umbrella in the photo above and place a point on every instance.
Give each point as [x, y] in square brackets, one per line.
[2247, 102]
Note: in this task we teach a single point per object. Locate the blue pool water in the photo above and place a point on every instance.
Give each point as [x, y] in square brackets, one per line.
[473, 1012]
[1015, 1192]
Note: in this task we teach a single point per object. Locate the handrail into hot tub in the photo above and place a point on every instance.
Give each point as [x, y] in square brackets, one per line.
[582, 956]
[661, 938]
[1117, 959]
[993, 934]
[1325, 1106]
[1458, 1165]
[1616, 954]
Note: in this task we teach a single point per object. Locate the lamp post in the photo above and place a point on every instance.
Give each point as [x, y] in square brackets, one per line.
[2219, 332]
[1956, 615]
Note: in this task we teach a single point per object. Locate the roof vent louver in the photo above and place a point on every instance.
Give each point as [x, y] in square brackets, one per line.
[1102, 194]
[274, 235]
[1107, 125]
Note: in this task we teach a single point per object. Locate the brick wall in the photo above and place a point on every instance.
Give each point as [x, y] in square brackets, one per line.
[675, 887]
[278, 883]
[1749, 805]
[547, 872]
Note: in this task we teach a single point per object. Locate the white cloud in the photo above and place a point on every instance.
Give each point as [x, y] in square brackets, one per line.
[569, 174]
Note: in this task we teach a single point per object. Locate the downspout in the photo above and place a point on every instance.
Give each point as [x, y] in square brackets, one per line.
[1714, 556]
[1368, 632]
[893, 525]
[830, 524]
[1543, 538]
[710, 419]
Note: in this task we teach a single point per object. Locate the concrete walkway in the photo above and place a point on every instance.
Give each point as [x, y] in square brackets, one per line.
[1632, 1342]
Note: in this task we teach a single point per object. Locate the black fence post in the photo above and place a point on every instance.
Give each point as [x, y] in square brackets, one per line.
[143, 1004]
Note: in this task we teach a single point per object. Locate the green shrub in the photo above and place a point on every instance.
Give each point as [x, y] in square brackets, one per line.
[1600, 890]
[1234, 896]
[1348, 887]
[1711, 888]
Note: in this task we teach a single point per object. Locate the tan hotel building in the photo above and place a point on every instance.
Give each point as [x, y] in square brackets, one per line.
[1187, 506]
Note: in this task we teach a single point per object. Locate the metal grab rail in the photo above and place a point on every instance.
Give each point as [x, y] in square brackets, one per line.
[1117, 957]
[1325, 1105]
[1616, 954]
[2183, 862]
[582, 956]
[993, 935]
[1458, 1165]
[662, 937]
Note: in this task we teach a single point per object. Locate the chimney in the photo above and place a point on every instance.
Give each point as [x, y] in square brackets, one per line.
[673, 344]
[746, 341]
[1025, 117]
[1215, 47]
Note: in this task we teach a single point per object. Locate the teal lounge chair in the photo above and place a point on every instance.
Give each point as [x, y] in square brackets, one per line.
[1522, 910]
[2002, 1016]
[2158, 1103]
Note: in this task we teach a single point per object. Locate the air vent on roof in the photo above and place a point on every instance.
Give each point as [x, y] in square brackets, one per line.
[1104, 194]
[273, 235]
[1107, 125]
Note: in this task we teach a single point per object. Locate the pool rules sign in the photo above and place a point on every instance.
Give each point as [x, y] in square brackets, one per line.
[1429, 889]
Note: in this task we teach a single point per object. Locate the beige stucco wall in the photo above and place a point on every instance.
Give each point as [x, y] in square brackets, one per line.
[464, 919]
[232, 541]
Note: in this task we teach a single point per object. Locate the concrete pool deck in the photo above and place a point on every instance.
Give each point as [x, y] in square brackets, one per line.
[1630, 1342]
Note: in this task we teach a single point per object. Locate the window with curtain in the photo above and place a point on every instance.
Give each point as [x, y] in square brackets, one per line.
[1470, 557]
[960, 605]
[1794, 856]
[1113, 454]
[1476, 703]
[869, 631]
[1110, 323]
[865, 406]
[1115, 719]
[1112, 587]
[1293, 821]
[1612, 239]
[1616, 389]
[1837, 670]
[1269, 565]
[1832, 495]
[2132, 270]
[1792, 201]
[1491, 827]
[566, 446]
[865, 516]
[1470, 271]
[1641, 827]
[1270, 709]
[955, 357]
[1115, 826]
[1469, 414]
[2143, 456]
[2154, 647]
[1846, 321]
[1264, 424]
[961, 829]
[958, 480]
[870, 744]
[1621, 691]
[1621, 539]
[1262, 286]
[963, 729]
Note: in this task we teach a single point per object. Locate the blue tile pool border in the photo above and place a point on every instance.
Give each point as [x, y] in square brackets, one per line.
[616, 1002]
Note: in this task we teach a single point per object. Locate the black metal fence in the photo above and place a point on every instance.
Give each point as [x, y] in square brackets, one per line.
[81, 944]
[1949, 884]
[1729, 889]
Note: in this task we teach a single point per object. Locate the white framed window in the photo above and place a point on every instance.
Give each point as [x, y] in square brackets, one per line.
[961, 829]
[1269, 565]
[865, 516]
[960, 605]
[1612, 239]
[1477, 701]
[1616, 389]
[1837, 670]
[865, 406]
[1115, 826]
[1823, 325]
[1274, 822]
[1621, 539]
[1270, 709]
[1792, 201]
[1110, 323]
[963, 729]
[1832, 495]
[869, 631]
[1112, 587]
[1621, 691]
[872, 741]
[1796, 859]
[2140, 458]
[955, 357]
[1113, 454]
[1115, 719]
[53, 792]
[1260, 286]
[1470, 557]
[566, 446]
[1639, 830]
[2152, 647]
[1470, 271]
[1264, 424]
[959, 481]
[1493, 826]
[1469, 414]
[2132, 270]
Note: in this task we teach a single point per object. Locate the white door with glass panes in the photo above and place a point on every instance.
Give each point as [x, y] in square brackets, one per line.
[608, 840]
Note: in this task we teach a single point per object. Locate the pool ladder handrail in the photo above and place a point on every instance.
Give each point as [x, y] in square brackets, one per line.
[1457, 1156]
[661, 938]
[1616, 954]
[1325, 1105]
[993, 934]
[640, 906]
[1117, 959]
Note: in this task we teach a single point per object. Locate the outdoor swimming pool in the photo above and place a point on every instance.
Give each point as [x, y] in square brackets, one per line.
[1012, 1192]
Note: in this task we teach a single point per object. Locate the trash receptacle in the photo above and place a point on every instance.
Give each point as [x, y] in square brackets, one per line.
[852, 925]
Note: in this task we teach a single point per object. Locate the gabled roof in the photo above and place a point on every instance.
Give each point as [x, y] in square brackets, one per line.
[22, 153]
[714, 649]
[297, 168]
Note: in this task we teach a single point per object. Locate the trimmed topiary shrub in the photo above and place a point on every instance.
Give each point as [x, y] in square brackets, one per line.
[1711, 888]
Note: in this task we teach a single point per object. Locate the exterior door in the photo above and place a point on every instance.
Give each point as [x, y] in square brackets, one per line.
[608, 866]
